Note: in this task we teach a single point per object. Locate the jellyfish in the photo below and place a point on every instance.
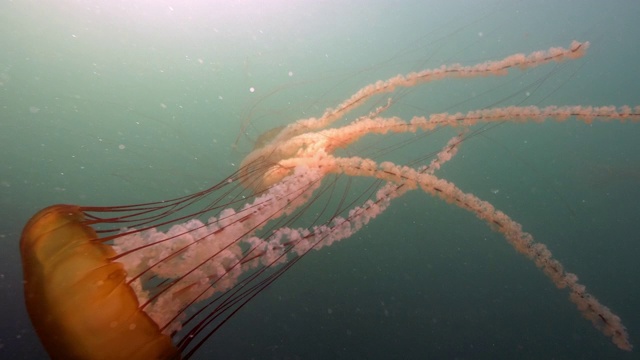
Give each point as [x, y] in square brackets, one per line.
[157, 280]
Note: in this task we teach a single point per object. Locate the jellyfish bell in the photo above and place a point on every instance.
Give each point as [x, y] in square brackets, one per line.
[163, 277]
[78, 299]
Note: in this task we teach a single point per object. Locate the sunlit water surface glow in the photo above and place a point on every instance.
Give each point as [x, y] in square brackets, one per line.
[114, 103]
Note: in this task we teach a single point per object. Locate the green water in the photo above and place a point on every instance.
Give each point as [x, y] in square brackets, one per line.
[116, 102]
